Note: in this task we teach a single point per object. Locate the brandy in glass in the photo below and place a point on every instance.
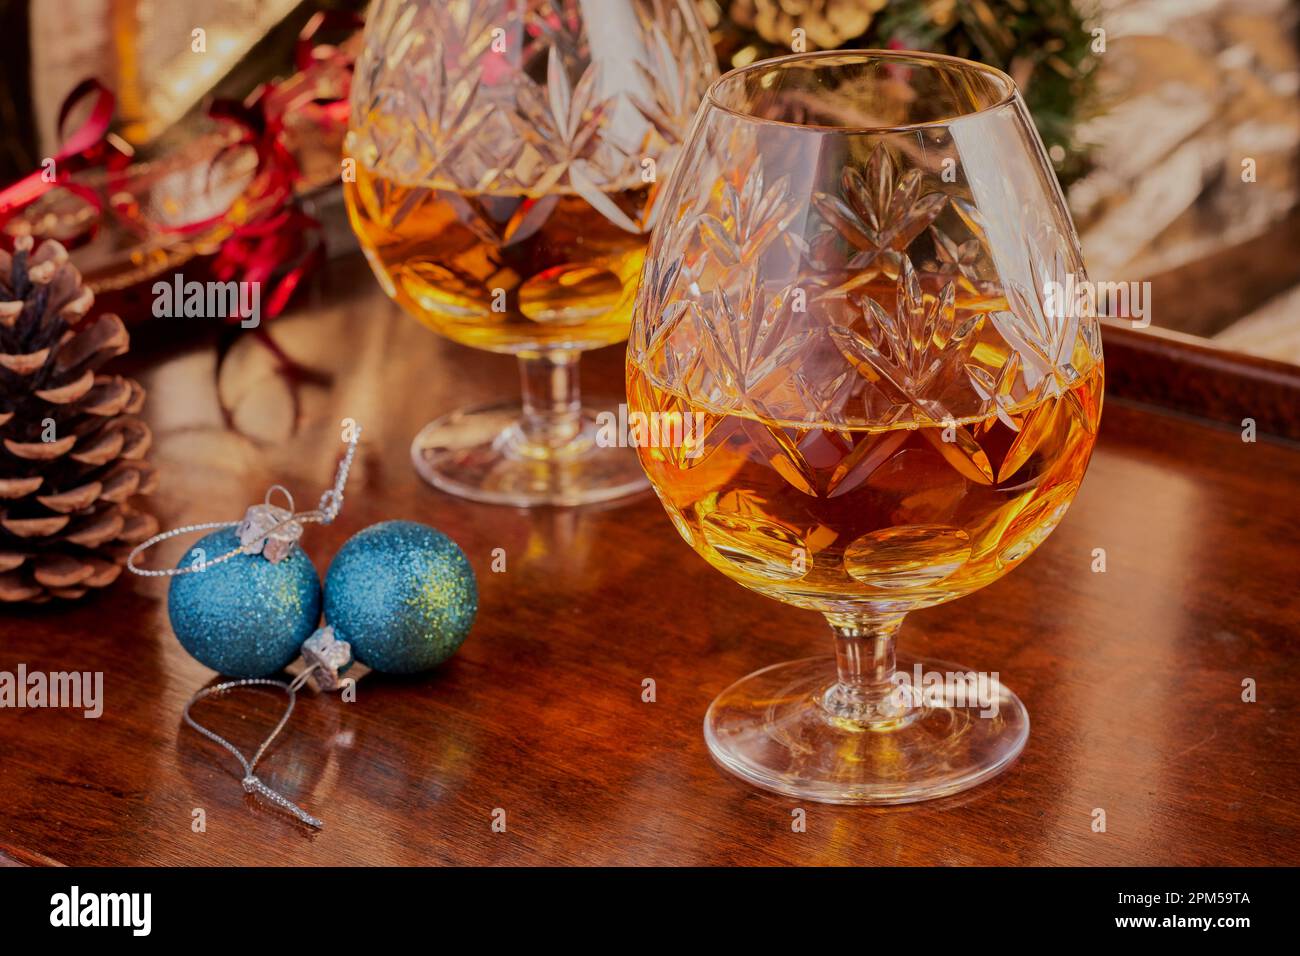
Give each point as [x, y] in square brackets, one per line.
[858, 305]
[507, 159]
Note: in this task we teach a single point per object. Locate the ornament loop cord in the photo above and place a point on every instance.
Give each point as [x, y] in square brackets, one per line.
[252, 783]
[288, 496]
[325, 513]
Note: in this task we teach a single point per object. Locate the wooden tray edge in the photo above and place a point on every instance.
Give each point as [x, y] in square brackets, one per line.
[1170, 370]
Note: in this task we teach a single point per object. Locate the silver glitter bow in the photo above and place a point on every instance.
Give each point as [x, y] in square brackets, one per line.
[269, 530]
[327, 657]
[265, 529]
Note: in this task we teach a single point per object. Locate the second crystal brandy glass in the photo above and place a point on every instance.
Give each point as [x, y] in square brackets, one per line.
[507, 160]
[860, 312]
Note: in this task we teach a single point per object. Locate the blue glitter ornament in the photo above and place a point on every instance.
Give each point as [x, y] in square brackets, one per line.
[246, 617]
[403, 595]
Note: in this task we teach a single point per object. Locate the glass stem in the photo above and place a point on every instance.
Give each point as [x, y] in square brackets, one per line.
[866, 691]
[552, 399]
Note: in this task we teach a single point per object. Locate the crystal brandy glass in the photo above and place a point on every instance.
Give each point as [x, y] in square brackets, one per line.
[855, 314]
[507, 156]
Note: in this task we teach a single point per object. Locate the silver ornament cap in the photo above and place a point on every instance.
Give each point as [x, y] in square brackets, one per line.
[257, 537]
[329, 655]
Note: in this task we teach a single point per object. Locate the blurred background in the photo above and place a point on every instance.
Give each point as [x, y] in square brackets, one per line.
[1174, 126]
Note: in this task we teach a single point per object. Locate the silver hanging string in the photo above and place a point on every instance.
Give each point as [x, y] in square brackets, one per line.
[252, 783]
[326, 510]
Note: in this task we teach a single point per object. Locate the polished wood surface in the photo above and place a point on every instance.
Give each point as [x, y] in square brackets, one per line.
[1133, 677]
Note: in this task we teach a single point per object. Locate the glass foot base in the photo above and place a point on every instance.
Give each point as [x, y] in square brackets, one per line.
[945, 734]
[482, 454]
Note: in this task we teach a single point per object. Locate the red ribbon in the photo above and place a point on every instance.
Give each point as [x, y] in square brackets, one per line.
[284, 234]
[311, 51]
[257, 250]
[86, 146]
[276, 234]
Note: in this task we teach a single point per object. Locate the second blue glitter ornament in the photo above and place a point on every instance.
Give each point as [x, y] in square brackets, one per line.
[403, 595]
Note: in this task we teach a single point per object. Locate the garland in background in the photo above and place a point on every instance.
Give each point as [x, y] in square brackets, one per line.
[1044, 44]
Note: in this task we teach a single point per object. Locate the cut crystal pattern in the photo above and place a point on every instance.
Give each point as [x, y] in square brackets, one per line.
[750, 344]
[907, 348]
[750, 218]
[878, 340]
[1046, 339]
[878, 212]
[511, 97]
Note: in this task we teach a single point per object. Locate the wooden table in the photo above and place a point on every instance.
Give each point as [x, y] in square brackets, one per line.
[1133, 677]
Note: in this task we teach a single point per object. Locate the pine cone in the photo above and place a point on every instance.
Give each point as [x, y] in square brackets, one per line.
[72, 451]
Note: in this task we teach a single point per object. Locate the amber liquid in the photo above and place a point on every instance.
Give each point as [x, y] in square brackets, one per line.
[843, 519]
[509, 273]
